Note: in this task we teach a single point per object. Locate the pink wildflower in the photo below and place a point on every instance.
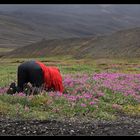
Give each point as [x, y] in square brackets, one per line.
[95, 99]
[92, 103]
[116, 106]
[21, 94]
[83, 105]
[100, 94]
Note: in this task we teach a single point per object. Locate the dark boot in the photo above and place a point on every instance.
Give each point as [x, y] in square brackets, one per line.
[28, 88]
[12, 89]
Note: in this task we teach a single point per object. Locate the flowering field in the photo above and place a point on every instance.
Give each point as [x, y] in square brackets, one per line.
[94, 89]
[97, 95]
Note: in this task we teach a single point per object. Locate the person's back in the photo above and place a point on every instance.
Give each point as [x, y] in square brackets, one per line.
[52, 77]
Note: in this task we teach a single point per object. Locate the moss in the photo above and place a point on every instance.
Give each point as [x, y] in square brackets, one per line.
[133, 110]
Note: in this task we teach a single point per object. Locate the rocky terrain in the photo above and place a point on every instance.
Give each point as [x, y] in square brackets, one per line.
[125, 126]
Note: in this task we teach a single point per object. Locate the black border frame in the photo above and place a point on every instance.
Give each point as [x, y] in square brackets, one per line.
[69, 2]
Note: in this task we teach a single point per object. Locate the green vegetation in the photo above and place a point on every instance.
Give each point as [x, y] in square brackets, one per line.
[45, 106]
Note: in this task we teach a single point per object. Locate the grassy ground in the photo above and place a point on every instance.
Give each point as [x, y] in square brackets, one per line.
[107, 105]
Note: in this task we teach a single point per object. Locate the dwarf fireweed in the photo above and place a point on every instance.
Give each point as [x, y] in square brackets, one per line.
[84, 90]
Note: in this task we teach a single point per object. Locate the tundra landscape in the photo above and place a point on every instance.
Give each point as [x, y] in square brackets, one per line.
[97, 49]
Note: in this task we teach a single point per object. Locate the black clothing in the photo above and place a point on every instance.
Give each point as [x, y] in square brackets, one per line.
[31, 72]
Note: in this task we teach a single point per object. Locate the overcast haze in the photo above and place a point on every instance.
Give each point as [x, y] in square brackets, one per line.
[27, 23]
[56, 7]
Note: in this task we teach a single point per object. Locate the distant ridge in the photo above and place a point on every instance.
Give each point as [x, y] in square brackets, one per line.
[122, 44]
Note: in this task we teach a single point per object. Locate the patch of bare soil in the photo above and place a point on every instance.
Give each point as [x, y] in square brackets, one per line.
[125, 126]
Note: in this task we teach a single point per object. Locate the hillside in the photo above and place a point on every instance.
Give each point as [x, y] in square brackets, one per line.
[14, 33]
[24, 25]
[122, 44]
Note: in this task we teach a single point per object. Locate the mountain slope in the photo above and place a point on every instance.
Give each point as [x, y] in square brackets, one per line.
[122, 44]
[23, 25]
[14, 33]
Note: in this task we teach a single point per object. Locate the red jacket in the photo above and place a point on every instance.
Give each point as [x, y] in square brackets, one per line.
[52, 77]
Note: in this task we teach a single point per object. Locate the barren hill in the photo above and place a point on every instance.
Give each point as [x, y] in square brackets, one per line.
[122, 44]
[21, 25]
